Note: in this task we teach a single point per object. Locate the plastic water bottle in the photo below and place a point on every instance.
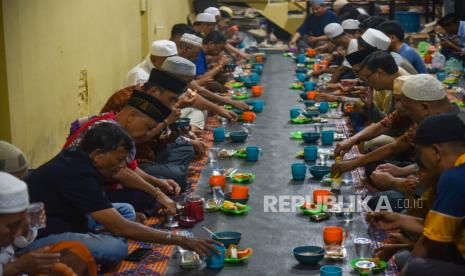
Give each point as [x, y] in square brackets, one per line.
[438, 62]
[218, 195]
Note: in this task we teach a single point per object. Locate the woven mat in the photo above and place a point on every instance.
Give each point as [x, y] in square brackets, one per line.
[157, 262]
[377, 236]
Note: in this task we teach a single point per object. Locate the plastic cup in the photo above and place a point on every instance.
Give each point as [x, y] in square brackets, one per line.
[310, 153]
[215, 260]
[219, 134]
[248, 116]
[299, 171]
[330, 270]
[295, 112]
[253, 153]
[327, 137]
[239, 192]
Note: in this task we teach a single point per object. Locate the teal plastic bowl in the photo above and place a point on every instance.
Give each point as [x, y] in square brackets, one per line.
[308, 254]
[310, 137]
[250, 83]
[227, 238]
[238, 136]
[309, 102]
[312, 113]
[318, 171]
[303, 96]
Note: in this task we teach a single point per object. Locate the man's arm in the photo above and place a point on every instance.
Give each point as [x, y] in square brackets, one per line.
[132, 180]
[338, 73]
[368, 133]
[212, 97]
[119, 226]
[236, 52]
[381, 153]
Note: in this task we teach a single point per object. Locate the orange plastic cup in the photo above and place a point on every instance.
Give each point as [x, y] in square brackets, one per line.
[311, 52]
[325, 62]
[248, 116]
[218, 181]
[334, 235]
[257, 93]
[321, 196]
[260, 58]
[257, 89]
[316, 66]
[311, 95]
[239, 192]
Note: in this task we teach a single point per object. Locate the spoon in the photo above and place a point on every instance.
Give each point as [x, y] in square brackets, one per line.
[209, 231]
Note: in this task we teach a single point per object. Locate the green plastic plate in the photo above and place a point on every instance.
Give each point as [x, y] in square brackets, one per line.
[296, 135]
[237, 85]
[228, 106]
[377, 269]
[236, 261]
[313, 212]
[241, 154]
[296, 86]
[241, 97]
[233, 212]
[240, 180]
[301, 121]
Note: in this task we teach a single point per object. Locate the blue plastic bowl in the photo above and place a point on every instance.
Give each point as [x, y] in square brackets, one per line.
[227, 196]
[238, 136]
[310, 137]
[227, 238]
[311, 113]
[319, 171]
[308, 254]
[309, 102]
[250, 83]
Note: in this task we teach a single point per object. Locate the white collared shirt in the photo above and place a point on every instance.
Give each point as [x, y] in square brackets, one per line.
[140, 73]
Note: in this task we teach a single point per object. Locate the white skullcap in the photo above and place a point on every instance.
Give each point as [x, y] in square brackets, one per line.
[423, 87]
[350, 24]
[12, 159]
[333, 30]
[227, 9]
[318, 2]
[192, 39]
[163, 48]
[338, 4]
[205, 18]
[13, 194]
[179, 66]
[376, 39]
[212, 10]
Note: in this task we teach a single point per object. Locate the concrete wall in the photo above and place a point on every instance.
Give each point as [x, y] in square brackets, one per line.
[64, 58]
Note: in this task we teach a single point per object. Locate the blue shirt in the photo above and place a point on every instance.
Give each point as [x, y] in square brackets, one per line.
[201, 64]
[314, 25]
[413, 57]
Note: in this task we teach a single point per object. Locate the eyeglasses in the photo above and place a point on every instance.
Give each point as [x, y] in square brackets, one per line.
[367, 78]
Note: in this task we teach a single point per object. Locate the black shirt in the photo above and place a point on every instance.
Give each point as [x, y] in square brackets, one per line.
[71, 188]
